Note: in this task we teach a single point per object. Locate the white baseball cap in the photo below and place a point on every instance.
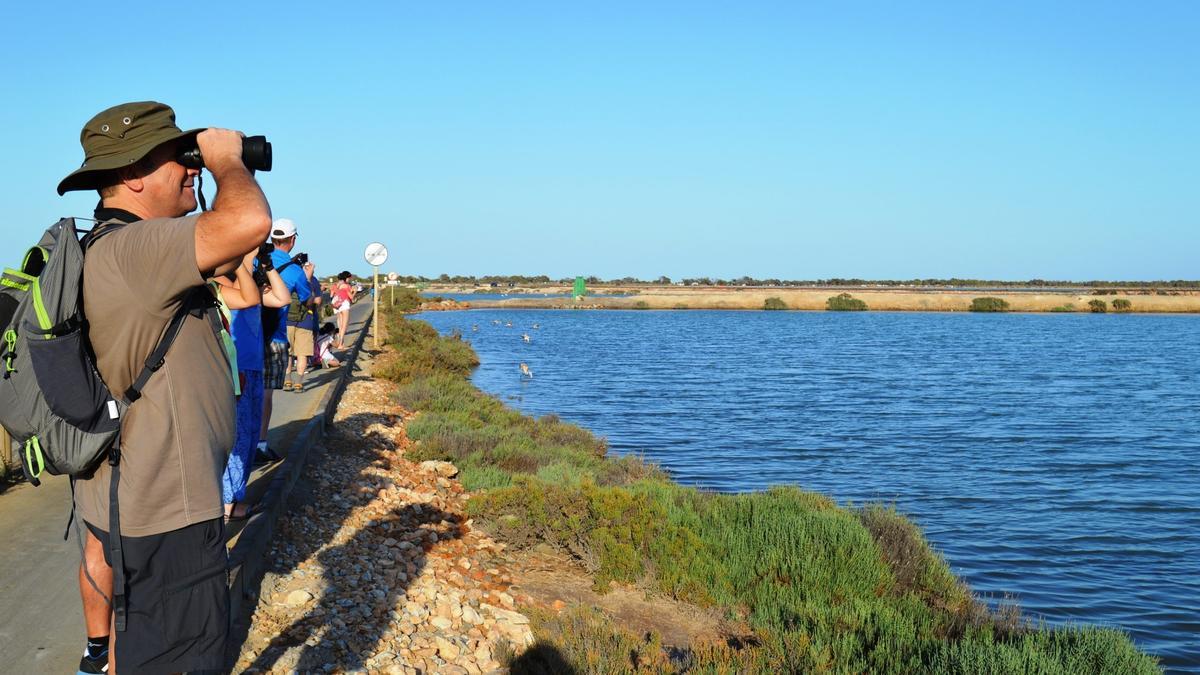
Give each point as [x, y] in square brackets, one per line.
[283, 228]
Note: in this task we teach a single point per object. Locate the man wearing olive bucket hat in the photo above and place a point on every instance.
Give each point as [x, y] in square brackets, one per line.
[146, 263]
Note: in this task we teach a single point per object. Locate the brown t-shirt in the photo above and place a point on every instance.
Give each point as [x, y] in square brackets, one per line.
[175, 438]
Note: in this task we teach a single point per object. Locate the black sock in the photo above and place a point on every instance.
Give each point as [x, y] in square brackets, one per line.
[97, 646]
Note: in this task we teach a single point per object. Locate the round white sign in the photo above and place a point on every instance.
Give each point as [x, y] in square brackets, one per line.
[392, 276]
[376, 254]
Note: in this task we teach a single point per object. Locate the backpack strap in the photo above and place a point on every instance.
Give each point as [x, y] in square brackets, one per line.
[115, 551]
[101, 229]
[159, 356]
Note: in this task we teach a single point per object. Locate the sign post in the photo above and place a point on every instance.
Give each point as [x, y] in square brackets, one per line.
[375, 255]
[392, 277]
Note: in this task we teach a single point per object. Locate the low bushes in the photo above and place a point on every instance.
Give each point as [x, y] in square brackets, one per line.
[1097, 306]
[774, 304]
[989, 304]
[1122, 305]
[402, 299]
[1069, 307]
[820, 587]
[844, 302]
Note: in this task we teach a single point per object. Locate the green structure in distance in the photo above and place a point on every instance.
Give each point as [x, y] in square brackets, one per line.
[580, 288]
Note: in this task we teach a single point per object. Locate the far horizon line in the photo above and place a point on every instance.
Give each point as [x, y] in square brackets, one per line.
[772, 282]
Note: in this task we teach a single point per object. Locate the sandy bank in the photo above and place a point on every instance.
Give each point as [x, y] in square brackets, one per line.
[878, 300]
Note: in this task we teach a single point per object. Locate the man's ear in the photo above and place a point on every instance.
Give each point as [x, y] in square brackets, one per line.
[131, 178]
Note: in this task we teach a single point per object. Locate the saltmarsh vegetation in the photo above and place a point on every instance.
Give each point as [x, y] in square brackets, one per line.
[774, 303]
[844, 302]
[989, 304]
[1097, 306]
[814, 586]
[1122, 305]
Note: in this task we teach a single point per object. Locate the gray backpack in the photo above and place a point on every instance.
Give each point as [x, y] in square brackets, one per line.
[53, 402]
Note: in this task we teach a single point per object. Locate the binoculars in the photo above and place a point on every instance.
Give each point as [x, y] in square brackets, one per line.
[256, 155]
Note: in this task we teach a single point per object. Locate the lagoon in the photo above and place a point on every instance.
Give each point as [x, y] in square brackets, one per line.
[1050, 457]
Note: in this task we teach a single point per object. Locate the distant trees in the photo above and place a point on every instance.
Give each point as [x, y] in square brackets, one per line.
[1099, 288]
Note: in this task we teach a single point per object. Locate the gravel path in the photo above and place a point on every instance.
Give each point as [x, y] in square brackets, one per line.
[376, 567]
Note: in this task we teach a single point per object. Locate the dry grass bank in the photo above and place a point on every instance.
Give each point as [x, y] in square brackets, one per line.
[877, 300]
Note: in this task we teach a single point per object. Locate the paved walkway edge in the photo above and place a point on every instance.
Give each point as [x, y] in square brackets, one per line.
[249, 553]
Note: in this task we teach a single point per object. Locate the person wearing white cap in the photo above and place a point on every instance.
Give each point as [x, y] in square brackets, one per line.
[297, 278]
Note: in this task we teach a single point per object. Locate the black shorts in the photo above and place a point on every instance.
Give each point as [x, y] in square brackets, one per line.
[176, 599]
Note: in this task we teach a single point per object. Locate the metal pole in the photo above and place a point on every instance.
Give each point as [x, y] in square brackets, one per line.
[375, 321]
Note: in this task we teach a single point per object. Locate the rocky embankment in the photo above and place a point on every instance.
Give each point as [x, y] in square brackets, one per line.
[376, 566]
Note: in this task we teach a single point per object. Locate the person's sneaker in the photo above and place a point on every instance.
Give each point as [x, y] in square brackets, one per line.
[90, 666]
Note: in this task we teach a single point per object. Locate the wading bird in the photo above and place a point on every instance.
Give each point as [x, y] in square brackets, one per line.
[526, 371]
[525, 337]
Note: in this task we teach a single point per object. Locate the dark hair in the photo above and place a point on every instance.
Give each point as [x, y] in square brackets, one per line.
[344, 275]
[328, 328]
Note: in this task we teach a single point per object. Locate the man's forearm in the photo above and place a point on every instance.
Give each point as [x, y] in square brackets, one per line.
[238, 222]
[238, 192]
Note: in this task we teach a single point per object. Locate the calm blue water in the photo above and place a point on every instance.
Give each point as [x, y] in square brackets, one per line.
[1051, 457]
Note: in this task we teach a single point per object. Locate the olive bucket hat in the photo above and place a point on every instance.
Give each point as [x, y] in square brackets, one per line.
[119, 137]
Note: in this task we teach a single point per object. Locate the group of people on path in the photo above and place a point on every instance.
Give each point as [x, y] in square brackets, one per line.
[188, 443]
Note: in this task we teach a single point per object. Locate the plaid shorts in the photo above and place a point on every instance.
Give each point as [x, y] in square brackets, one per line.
[275, 365]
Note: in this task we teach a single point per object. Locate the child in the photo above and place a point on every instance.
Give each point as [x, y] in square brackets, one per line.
[324, 346]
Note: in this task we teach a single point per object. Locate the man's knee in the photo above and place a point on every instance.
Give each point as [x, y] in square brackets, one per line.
[93, 555]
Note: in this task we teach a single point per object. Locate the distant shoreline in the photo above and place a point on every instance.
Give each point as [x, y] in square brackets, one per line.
[1141, 301]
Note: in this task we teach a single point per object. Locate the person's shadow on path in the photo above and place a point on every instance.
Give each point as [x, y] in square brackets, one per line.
[352, 613]
[362, 580]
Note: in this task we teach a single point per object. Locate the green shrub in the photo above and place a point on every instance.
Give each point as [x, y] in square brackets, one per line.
[844, 302]
[1069, 307]
[989, 304]
[1097, 306]
[774, 303]
[641, 304]
[1122, 305]
[403, 299]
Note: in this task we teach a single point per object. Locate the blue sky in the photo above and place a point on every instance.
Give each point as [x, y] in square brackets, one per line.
[856, 139]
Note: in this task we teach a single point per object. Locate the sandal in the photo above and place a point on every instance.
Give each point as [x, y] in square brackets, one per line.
[287, 385]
